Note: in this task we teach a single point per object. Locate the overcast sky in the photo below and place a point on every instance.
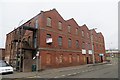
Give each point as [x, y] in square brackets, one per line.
[100, 14]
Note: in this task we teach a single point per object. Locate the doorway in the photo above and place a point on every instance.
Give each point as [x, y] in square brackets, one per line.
[101, 58]
[87, 60]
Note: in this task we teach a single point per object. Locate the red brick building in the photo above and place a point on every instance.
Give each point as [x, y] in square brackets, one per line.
[59, 42]
[86, 44]
[99, 46]
[2, 53]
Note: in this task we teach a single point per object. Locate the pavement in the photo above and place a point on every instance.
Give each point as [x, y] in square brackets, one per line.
[48, 71]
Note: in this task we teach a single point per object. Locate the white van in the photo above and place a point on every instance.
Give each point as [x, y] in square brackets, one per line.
[5, 68]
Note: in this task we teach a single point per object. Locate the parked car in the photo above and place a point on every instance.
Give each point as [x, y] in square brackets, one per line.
[5, 67]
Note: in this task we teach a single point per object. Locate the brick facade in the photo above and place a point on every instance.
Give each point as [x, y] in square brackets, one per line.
[2, 53]
[56, 54]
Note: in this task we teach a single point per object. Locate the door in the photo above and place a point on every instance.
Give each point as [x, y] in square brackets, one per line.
[101, 58]
[87, 60]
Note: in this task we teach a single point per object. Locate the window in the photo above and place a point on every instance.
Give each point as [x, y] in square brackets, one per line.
[88, 45]
[83, 45]
[96, 46]
[60, 25]
[69, 43]
[60, 41]
[77, 44]
[69, 28]
[88, 35]
[82, 33]
[48, 36]
[48, 39]
[92, 37]
[49, 21]
[99, 38]
[76, 31]
[16, 44]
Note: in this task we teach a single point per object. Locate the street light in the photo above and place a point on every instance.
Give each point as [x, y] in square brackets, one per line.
[92, 44]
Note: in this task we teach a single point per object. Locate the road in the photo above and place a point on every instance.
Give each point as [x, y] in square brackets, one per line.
[108, 71]
[91, 71]
[99, 71]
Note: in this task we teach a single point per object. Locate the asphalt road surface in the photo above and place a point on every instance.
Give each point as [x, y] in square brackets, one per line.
[97, 71]
[110, 71]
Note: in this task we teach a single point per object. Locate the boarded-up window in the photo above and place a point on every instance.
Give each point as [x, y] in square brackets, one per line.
[74, 58]
[61, 58]
[57, 59]
[84, 59]
[48, 59]
[78, 58]
[65, 58]
[70, 58]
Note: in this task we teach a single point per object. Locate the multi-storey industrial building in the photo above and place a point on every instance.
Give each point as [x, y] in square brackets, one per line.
[49, 41]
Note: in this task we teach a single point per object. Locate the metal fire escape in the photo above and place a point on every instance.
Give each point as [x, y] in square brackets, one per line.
[19, 46]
